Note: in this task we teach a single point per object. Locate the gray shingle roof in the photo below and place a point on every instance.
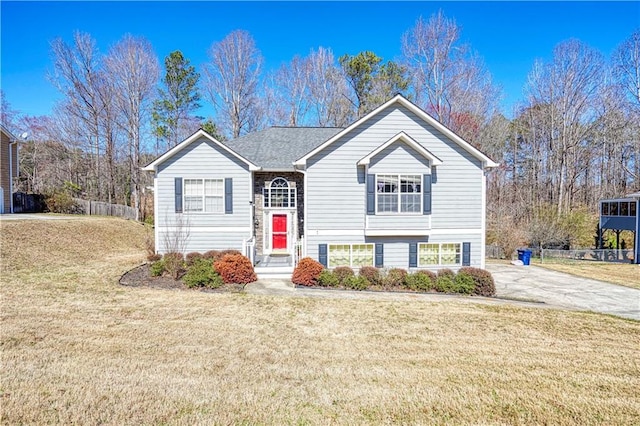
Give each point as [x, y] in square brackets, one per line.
[276, 148]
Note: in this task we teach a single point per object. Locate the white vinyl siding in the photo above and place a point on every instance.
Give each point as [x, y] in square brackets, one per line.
[439, 254]
[352, 255]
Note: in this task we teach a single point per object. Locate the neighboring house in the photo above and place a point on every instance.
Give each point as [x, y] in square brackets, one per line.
[8, 168]
[394, 189]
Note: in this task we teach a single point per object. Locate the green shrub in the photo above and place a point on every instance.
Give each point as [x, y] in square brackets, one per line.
[445, 284]
[307, 272]
[192, 257]
[371, 274]
[484, 284]
[328, 279]
[342, 273]
[421, 281]
[174, 264]
[202, 274]
[446, 272]
[157, 268]
[61, 202]
[464, 283]
[395, 277]
[356, 282]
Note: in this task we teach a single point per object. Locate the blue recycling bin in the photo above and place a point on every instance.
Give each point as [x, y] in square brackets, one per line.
[524, 256]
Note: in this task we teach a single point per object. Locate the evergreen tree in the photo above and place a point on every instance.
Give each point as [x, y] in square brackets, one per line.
[178, 99]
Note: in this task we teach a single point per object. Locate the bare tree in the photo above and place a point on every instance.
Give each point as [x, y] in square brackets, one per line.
[77, 74]
[291, 94]
[133, 70]
[328, 90]
[450, 81]
[232, 79]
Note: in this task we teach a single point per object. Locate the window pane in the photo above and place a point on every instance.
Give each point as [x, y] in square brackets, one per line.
[193, 187]
[213, 204]
[339, 255]
[410, 184]
[613, 209]
[624, 209]
[632, 209]
[450, 254]
[410, 203]
[428, 254]
[387, 184]
[387, 203]
[362, 255]
[213, 187]
[193, 204]
[605, 209]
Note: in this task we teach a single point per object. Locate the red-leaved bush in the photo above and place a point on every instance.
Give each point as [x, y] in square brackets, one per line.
[484, 284]
[235, 269]
[307, 272]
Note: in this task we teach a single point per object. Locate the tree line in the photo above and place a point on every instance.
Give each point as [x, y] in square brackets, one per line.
[573, 139]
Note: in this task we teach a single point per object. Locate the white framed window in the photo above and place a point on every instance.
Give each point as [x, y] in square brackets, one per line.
[398, 193]
[203, 195]
[279, 194]
[352, 255]
[439, 254]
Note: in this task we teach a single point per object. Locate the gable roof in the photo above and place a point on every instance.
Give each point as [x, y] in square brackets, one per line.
[6, 131]
[486, 161]
[276, 148]
[153, 166]
[401, 137]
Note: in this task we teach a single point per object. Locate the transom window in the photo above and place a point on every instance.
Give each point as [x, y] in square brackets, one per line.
[439, 254]
[353, 255]
[279, 194]
[399, 193]
[204, 195]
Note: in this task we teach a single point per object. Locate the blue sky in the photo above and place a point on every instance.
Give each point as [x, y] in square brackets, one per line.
[508, 35]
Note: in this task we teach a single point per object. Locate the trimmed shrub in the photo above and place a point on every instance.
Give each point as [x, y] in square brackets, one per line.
[154, 257]
[61, 202]
[230, 251]
[342, 273]
[421, 281]
[235, 269]
[356, 282]
[444, 283]
[192, 257]
[328, 279]
[157, 268]
[174, 264]
[395, 277]
[213, 255]
[202, 274]
[307, 272]
[464, 283]
[447, 272]
[371, 274]
[484, 284]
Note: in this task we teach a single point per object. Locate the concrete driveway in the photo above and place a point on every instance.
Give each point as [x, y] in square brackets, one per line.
[564, 290]
[39, 216]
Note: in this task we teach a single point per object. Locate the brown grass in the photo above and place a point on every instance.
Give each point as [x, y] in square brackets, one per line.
[624, 274]
[79, 348]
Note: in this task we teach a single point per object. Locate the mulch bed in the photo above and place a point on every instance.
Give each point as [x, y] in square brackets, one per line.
[140, 276]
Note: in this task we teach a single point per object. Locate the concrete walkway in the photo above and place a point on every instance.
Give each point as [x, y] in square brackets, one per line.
[515, 285]
[564, 290]
[39, 216]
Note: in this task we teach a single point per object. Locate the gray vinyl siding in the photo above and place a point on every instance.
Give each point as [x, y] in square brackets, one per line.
[396, 249]
[336, 191]
[203, 159]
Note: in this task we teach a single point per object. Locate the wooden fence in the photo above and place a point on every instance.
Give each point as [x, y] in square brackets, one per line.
[105, 209]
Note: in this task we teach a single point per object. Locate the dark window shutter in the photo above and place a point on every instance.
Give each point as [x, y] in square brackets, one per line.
[379, 255]
[178, 194]
[466, 254]
[413, 255]
[371, 194]
[426, 194]
[228, 195]
[322, 254]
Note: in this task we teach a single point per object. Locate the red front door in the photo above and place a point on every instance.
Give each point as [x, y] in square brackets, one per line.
[279, 232]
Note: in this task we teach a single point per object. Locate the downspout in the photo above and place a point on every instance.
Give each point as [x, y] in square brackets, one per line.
[305, 220]
[11, 143]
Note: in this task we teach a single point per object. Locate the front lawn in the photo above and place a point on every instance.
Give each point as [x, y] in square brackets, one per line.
[79, 348]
